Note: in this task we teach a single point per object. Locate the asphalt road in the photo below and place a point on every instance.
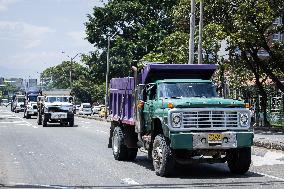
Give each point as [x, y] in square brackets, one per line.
[62, 157]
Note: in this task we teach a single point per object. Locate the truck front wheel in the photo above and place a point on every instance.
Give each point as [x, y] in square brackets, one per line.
[71, 122]
[39, 119]
[239, 160]
[44, 121]
[163, 160]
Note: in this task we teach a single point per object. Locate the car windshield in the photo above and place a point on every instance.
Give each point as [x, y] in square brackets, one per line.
[86, 106]
[32, 98]
[178, 90]
[57, 99]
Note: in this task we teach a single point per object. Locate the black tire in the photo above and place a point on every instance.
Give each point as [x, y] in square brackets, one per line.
[44, 121]
[239, 160]
[39, 119]
[71, 122]
[119, 149]
[163, 160]
[28, 116]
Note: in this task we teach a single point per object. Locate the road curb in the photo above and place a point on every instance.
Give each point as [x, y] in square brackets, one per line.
[259, 143]
[95, 118]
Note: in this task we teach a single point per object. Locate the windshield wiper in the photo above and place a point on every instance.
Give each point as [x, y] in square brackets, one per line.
[177, 97]
[200, 96]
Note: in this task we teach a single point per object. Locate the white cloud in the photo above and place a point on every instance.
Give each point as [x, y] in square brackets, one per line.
[30, 35]
[28, 64]
[4, 4]
[78, 38]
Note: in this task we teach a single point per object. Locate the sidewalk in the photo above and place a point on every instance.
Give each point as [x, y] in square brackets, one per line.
[269, 138]
[263, 137]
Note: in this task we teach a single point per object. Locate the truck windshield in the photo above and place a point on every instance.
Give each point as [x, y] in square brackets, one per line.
[32, 98]
[87, 106]
[21, 100]
[179, 90]
[57, 99]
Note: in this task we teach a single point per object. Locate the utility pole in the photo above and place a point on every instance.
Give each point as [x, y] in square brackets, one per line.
[191, 35]
[107, 73]
[200, 33]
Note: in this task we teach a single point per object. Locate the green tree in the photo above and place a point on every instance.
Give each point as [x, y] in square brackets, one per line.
[140, 26]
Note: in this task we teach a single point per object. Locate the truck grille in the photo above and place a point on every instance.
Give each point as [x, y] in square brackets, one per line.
[209, 119]
[56, 109]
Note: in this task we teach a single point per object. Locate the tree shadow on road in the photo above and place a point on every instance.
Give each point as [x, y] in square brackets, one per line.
[197, 171]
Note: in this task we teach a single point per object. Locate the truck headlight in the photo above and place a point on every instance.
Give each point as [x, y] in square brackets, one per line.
[176, 120]
[244, 119]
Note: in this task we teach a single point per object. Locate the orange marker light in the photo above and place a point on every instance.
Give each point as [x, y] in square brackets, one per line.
[170, 105]
[141, 104]
[247, 105]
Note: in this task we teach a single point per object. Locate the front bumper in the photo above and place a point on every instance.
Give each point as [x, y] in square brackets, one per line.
[32, 111]
[199, 140]
[19, 108]
[51, 116]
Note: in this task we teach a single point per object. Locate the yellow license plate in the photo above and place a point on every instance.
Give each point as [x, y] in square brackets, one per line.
[215, 137]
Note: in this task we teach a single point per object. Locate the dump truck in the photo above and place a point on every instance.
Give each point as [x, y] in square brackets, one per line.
[56, 106]
[30, 106]
[173, 112]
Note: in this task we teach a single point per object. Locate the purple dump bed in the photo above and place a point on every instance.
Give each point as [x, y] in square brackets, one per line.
[121, 98]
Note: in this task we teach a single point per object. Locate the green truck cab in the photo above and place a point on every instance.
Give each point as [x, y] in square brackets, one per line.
[176, 115]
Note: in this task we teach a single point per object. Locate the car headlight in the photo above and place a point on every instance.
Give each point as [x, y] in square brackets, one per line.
[176, 120]
[244, 119]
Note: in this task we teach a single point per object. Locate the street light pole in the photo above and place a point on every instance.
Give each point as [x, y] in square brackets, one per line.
[70, 71]
[107, 73]
[200, 33]
[191, 35]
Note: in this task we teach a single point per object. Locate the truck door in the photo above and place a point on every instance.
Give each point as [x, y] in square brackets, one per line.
[148, 106]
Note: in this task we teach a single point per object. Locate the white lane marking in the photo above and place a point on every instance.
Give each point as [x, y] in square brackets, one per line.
[15, 122]
[129, 181]
[269, 158]
[36, 185]
[102, 131]
[270, 176]
[28, 123]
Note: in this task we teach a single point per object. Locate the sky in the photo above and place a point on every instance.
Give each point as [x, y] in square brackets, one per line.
[34, 33]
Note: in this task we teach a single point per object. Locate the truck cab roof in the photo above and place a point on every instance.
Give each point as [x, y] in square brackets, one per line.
[183, 81]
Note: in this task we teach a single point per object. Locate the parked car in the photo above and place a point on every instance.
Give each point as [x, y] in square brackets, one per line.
[85, 109]
[5, 102]
[96, 109]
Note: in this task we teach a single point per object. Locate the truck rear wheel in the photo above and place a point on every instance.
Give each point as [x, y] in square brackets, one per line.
[120, 150]
[239, 160]
[163, 160]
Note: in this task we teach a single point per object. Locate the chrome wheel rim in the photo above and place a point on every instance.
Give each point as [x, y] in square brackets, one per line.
[157, 156]
[115, 143]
